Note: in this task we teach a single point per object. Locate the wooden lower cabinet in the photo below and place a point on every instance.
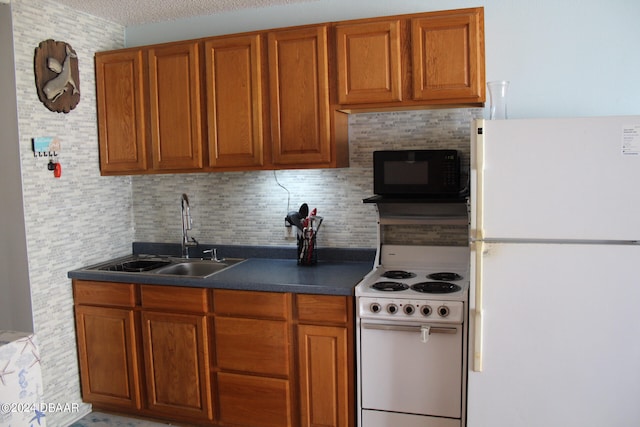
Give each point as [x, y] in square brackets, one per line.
[108, 356]
[325, 352]
[108, 347]
[177, 365]
[217, 357]
[324, 376]
[254, 344]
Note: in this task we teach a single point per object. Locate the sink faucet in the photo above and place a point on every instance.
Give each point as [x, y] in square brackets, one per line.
[187, 222]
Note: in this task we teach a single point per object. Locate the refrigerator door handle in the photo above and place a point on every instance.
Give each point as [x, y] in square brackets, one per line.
[478, 244]
[478, 330]
[479, 202]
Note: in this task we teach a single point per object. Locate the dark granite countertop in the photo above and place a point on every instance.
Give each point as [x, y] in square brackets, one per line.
[266, 268]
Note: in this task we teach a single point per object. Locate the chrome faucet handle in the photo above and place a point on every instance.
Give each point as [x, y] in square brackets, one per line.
[214, 254]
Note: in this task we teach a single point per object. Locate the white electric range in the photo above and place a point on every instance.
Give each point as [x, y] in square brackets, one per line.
[412, 315]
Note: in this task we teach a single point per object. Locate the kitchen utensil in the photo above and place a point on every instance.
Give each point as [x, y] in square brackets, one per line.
[304, 210]
[294, 219]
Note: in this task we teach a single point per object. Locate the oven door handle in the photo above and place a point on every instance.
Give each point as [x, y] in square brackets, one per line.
[424, 330]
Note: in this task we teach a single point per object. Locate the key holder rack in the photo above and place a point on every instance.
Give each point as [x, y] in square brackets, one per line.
[48, 146]
[45, 146]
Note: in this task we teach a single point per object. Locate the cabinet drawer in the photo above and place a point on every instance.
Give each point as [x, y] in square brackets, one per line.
[254, 401]
[324, 308]
[174, 298]
[265, 305]
[252, 345]
[104, 293]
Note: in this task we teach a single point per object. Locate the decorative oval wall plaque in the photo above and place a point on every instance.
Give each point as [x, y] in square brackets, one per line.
[57, 76]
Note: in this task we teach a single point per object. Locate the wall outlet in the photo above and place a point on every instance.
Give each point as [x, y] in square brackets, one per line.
[288, 232]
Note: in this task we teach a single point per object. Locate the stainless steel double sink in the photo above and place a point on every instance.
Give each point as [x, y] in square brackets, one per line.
[147, 264]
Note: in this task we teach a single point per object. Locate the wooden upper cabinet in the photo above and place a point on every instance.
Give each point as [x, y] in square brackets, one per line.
[299, 96]
[175, 106]
[234, 101]
[369, 62]
[448, 55]
[410, 61]
[121, 111]
[276, 99]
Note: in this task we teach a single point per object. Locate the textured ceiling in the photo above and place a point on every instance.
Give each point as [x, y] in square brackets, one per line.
[135, 12]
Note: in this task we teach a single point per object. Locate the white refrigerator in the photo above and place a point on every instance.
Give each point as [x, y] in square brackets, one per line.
[555, 289]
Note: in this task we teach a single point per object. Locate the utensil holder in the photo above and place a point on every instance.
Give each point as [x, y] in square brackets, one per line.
[307, 250]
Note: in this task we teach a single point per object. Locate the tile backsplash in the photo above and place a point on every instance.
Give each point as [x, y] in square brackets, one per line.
[249, 207]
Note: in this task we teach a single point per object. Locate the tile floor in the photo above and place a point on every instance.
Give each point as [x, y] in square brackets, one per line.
[100, 419]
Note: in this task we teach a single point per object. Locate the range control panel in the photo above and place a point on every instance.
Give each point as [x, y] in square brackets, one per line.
[411, 309]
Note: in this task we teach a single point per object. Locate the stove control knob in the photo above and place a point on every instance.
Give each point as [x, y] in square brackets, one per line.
[443, 311]
[375, 307]
[409, 309]
[425, 310]
[392, 309]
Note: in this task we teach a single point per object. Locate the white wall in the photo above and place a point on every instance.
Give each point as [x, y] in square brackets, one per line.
[563, 58]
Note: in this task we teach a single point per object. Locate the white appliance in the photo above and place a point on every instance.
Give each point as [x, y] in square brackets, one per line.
[555, 288]
[411, 335]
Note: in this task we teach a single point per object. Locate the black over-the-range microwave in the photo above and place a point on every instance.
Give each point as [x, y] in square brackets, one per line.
[417, 173]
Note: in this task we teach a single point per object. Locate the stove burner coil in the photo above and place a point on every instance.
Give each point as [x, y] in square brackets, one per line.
[398, 274]
[435, 287]
[390, 286]
[446, 276]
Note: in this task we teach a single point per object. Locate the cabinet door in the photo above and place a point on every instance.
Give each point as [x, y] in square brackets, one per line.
[176, 358]
[369, 63]
[108, 356]
[448, 56]
[121, 114]
[234, 101]
[175, 104]
[299, 96]
[253, 401]
[325, 387]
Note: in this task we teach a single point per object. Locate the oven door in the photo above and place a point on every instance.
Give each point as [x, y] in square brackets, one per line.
[412, 369]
